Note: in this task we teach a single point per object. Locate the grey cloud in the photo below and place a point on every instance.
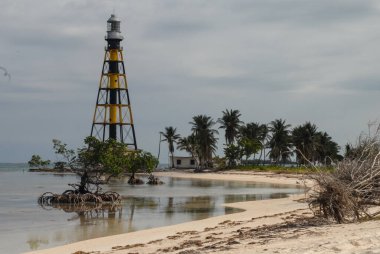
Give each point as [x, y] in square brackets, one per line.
[365, 84]
[167, 29]
[294, 59]
[301, 12]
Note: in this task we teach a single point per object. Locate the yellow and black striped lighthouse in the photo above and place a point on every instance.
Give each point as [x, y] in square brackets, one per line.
[113, 113]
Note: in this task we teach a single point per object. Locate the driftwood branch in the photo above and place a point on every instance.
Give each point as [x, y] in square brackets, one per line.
[352, 189]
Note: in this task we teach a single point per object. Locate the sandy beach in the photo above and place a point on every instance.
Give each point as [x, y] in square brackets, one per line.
[267, 226]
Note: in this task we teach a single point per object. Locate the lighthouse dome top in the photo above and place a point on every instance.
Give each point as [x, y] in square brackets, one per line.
[113, 18]
[113, 28]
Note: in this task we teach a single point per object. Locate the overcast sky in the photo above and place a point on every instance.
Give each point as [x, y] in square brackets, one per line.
[299, 60]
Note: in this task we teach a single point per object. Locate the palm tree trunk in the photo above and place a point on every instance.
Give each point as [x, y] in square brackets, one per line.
[172, 160]
[159, 151]
[261, 153]
[264, 157]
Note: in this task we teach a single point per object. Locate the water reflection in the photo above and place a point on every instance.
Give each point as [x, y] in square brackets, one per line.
[202, 184]
[86, 209]
[169, 209]
[35, 243]
[240, 198]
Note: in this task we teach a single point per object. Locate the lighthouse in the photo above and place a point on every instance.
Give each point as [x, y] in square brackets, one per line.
[113, 112]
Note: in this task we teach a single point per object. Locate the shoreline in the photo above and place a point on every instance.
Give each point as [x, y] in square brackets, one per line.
[235, 175]
[263, 227]
[144, 236]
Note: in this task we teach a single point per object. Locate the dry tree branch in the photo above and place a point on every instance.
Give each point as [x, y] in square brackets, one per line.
[353, 187]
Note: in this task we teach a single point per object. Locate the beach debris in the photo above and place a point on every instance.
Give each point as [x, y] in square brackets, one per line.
[155, 241]
[292, 227]
[128, 246]
[352, 191]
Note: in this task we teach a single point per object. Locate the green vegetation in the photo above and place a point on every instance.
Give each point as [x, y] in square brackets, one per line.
[256, 134]
[281, 169]
[109, 157]
[280, 141]
[230, 121]
[312, 145]
[139, 160]
[170, 136]
[249, 146]
[232, 153]
[205, 140]
[66, 155]
[276, 143]
[97, 160]
[95, 163]
[190, 145]
[37, 162]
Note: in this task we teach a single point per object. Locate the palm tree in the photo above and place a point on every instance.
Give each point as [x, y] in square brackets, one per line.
[263, 139]
[279, 142]
[189, 144]
[205, 139]
[327, 150]
[170, 136]
[256, 133]
[349, 151]
[306, 141]
[250, 131]
[230, 122]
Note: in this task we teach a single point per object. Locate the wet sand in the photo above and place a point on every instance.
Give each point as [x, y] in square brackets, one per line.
[267, 226]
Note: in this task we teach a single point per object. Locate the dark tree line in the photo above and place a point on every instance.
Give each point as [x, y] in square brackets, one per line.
[277, 139]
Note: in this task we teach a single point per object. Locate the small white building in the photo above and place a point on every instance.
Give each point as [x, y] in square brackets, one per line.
[183, 162]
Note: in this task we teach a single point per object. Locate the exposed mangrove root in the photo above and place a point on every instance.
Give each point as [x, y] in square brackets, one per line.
[135, 181]
[70, 197]
[152, 180]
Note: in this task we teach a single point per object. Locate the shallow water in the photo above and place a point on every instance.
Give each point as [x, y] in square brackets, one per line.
[24, 225]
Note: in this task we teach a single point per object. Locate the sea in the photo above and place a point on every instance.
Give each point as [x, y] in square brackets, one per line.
[25, 225]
